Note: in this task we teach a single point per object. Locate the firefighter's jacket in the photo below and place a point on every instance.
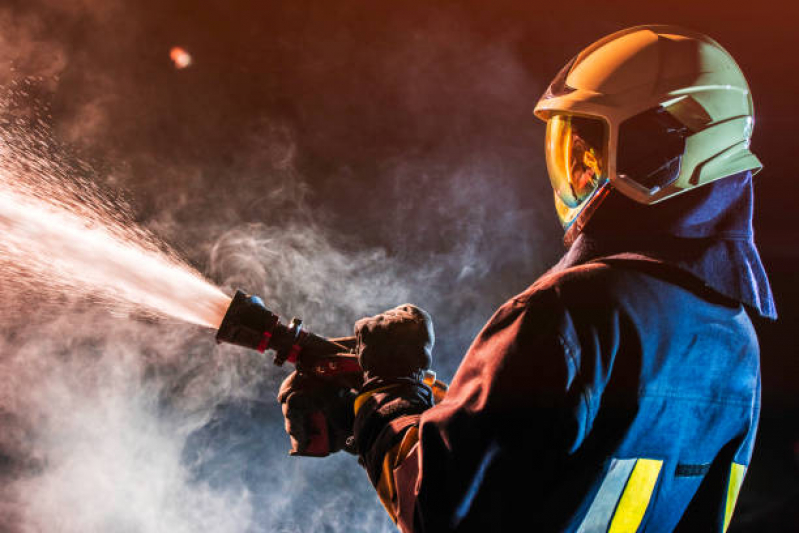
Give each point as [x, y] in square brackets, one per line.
[619, 393]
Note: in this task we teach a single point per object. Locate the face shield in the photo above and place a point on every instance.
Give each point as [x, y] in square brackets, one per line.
[576, 153]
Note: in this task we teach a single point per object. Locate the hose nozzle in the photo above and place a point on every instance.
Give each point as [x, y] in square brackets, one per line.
[245, 322]
[250, 324]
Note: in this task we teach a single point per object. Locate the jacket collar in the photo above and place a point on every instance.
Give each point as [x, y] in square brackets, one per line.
[706, 233]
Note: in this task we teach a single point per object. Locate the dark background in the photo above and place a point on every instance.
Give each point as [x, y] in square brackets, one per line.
[403, 127]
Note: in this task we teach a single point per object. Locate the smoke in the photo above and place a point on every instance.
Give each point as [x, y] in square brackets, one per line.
[101, 451]
[334, 189]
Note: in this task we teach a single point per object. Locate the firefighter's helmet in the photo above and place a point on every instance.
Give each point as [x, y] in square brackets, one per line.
[651, 111]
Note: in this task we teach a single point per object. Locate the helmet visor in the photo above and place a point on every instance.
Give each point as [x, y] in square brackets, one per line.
[576, 157]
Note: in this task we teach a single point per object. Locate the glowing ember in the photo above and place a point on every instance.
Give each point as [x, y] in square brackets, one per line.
[180, 57]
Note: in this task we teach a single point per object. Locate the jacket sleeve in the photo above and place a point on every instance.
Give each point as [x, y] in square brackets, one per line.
[510, 413]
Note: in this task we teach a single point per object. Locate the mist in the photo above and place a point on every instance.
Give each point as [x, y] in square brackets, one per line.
[258, 166]
[336, 158]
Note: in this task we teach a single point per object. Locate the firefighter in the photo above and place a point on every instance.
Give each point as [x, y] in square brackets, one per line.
[621, 390]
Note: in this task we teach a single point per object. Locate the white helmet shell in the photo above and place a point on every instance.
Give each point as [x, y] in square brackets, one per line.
[687, 74]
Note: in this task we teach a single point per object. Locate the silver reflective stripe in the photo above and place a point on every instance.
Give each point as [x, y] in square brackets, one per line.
[601, 511]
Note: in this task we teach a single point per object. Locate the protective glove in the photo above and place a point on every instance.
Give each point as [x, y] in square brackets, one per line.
[318, 414]
[395, 344]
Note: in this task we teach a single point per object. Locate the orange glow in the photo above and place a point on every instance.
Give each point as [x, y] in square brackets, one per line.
[180, 57]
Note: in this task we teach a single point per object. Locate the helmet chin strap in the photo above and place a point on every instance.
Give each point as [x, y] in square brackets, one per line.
[579, 223]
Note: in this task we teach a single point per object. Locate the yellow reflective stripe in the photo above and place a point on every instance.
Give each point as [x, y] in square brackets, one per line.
[408, 442]
[386, 489]
[635, 499]
[737, 473]
[601, 510]
[361, 398]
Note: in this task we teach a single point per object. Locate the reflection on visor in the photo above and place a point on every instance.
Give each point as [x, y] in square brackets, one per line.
[575, 149]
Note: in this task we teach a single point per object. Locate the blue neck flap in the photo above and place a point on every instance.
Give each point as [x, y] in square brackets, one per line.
[706, 232]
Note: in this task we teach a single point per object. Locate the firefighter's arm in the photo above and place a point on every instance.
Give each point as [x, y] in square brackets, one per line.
[386, 430]
[395, 349]
[430, 464]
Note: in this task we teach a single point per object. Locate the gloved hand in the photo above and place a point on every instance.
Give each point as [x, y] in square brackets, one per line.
[395, 344]
[318, 414]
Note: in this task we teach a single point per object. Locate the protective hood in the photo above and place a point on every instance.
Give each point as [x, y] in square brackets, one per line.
[706, 232]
